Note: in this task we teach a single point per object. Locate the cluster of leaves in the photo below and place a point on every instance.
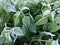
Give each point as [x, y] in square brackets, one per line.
[29, 22]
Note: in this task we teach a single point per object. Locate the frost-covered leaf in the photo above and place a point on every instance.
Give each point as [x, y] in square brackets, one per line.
[58, 10]
[6, 36]
[55, 42]
[8, 6]
[46, 12]
[32, 28]
[17, 31]
[9, 33]
[56, 4]
[26, 21]
[48, 33]
[53, 15]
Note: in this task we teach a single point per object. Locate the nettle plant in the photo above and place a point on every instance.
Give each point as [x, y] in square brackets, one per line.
[29, 22]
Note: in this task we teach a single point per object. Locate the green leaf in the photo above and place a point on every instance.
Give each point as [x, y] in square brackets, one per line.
[9, 33]
[4, 17]
[46, 12]
[26, 21]
[32, 28]
[57, 19]
[8, 7]
[53, 27]
[38, 17]
[42, 21]
[16, 18]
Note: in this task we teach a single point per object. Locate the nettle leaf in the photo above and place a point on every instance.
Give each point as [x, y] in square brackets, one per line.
[22, 4]
[59, 39]
[57, 19]
[8, 6]
[9, 33]
[53, 27]
[56, 4]
[58, 10]
[26, 21]
[34, 17]
[4, 17]
[16, 21]
[38, 17]
[46, 12]
[32, 28]
[6, 36]
[51, 16]
[16, 18]
[24, 29]
[17, 31]
[5, 30]
[44, 9]
[42, 21]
